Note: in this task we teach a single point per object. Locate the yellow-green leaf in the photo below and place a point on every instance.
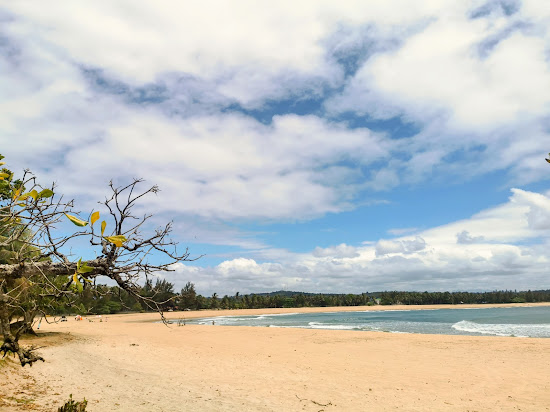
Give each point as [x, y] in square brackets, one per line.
[4, 175]
[76, 220]
[85, 268]
[17, 193]
[34, 194]
[45, 193]
[117, 240]
[103, 226]
[95, 217]
[76, 285]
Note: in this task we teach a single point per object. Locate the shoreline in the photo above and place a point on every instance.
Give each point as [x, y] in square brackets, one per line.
[208, 313]
[132, 362]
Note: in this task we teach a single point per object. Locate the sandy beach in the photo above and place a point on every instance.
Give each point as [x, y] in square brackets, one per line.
[130, 363]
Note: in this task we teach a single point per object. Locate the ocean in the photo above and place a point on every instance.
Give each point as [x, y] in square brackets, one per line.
[509, 321]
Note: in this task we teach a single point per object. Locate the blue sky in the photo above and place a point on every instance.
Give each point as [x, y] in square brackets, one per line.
[319, 146]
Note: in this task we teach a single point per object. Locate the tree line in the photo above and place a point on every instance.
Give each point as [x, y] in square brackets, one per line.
[112, 299]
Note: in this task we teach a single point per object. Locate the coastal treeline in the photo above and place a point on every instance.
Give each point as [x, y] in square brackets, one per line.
[112, 299]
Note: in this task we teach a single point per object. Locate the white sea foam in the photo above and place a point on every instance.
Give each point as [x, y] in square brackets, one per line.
[275, 315]
[395, 310]
[503, 329]
[220, 320]
[319, 325]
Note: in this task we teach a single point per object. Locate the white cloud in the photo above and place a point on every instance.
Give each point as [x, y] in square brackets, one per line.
[223, 165]
[511, 254]
[337, 252]
[202, 57]
[476, 88]
[92, 91]
[538, 216]
[385, 247]
[438, 70]
[464, 237]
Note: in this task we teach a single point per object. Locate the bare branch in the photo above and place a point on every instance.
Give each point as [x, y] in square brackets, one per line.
[40, 270]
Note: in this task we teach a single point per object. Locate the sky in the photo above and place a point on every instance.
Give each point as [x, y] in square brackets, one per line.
[318, 146]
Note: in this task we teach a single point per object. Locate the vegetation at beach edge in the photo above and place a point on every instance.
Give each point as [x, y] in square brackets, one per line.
[113, 300]
[39, 273]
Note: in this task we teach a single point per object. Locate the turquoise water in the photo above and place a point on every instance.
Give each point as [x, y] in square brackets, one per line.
[512, 321]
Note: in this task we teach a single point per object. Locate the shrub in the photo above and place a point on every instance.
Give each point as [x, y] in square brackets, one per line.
[72, 406]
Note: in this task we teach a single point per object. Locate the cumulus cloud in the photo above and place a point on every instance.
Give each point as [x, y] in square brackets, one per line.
[385, 247]
[464, 237]
[433, 260]
[338, 252]
[538, 213]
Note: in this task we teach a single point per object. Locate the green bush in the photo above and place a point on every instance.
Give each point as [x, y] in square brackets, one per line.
[72, 406]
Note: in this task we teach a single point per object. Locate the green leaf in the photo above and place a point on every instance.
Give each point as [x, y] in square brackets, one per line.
[45, 193]
[95, 217]
[79, 287]
[85, 268]
[117, 240]
[4, 175]
[34, 194]
[103, 226]
[76, 220]
[76, 285]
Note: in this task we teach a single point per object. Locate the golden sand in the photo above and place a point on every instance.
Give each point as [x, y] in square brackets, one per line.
[129, 363]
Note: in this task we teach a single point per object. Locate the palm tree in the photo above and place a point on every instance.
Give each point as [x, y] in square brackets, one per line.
[214, 304]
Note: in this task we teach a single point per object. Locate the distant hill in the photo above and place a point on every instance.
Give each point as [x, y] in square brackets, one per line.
[289, 293]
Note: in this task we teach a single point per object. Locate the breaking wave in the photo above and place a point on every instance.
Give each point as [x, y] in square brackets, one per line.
[504, 329]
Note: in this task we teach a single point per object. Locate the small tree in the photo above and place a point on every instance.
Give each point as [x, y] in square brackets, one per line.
[188, 296]
[40, 272]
